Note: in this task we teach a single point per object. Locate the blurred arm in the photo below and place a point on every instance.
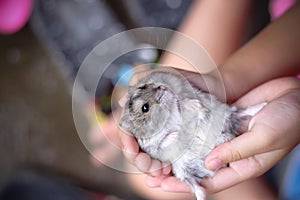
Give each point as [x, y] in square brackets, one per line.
[218, 26]
[273, 53]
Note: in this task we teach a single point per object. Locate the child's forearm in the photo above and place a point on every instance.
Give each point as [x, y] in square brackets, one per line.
[218, 26]
[275, 52]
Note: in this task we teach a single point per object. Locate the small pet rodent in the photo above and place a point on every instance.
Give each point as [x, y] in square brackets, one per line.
[176, 122]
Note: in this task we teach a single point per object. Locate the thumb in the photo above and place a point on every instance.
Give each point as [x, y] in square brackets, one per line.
[241, 147]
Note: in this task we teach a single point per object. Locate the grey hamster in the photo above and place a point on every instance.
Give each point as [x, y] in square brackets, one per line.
[176, 122]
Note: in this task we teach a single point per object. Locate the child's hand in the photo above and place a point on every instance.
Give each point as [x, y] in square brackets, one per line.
[272, 134]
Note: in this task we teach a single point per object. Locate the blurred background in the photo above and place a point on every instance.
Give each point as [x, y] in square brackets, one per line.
[40, 150]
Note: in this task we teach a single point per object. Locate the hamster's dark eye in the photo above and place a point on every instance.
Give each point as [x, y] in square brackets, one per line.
[145, 108]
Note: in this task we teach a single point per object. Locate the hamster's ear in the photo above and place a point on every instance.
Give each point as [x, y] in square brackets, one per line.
[125, 121]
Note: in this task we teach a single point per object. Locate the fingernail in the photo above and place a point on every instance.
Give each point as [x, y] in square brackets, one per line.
[214, 164]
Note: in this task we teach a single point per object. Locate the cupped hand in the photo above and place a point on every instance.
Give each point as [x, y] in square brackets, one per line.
[272, 134]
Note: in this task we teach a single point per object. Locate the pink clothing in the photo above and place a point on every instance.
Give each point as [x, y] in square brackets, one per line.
[278, 7]
[14, 14]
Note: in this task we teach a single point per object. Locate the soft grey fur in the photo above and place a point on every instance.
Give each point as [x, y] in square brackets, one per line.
[182, 125]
